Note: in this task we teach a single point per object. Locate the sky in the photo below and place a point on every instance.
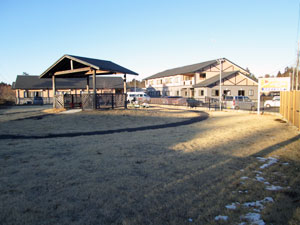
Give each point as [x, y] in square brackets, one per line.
[148, 36]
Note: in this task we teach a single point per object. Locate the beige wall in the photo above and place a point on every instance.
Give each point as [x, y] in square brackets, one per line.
[178, 80]
[49, 93]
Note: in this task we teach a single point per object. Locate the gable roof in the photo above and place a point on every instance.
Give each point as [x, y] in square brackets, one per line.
[210, 81]
[63, 64]
[34, 82]
[183, 70]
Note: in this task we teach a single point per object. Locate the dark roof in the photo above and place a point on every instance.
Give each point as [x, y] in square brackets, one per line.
[34, 82]
[183, 70]
[211, 81]
[79, 62]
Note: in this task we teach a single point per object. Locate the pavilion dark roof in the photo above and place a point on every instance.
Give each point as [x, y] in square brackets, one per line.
[79, 62]
[183, 70]
[34, 82]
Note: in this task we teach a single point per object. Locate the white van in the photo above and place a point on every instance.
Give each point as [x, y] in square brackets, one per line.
[138, 96]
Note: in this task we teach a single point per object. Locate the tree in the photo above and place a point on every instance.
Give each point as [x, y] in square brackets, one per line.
[7, 95]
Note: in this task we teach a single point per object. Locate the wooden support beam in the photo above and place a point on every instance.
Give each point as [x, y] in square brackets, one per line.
[88, 84]
[54, 90]
[94, 91]
[125, 91]
[71, 62]
[100, 72]
[84, 69]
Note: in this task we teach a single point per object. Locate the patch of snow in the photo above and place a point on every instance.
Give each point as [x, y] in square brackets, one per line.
[254, 204]
[225, 218]
[242, 170]
[190, 220]
[286, 163]
[266, 183]
[243, 191]
[232, 206]
[269, 163]
[258, 204]
[244, 178]
[261, 159]
[274, 188]
[257, 172]
[260, 179]
[254, 218]
[268, 199]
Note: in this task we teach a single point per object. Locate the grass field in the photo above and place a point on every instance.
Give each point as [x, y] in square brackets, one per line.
[148, 166]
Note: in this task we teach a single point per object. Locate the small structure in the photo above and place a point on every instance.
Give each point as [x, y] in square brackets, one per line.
[32, 90]
[70, 66]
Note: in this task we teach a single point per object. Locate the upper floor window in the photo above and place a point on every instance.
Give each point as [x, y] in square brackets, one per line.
[251, 92]
[202, 75]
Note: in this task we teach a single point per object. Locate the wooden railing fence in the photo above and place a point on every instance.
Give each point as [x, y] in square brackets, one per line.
[290, 106]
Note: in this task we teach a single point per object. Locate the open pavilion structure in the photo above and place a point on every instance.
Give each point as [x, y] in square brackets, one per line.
[70, 66]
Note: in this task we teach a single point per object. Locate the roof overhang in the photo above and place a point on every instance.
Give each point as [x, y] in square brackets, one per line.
[69, 66]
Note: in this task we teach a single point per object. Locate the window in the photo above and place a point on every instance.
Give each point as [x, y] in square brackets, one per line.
[251, 92]
[227, 92]
[25, 94]
[215, 92]
[177, 93]
[201, 93]
[241, 93]
[202, 75]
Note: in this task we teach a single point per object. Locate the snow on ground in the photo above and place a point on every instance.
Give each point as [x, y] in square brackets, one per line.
[270, 162]
[232, 205]
[260, 179]
[274, 188]
[254, 218]
[221, 218]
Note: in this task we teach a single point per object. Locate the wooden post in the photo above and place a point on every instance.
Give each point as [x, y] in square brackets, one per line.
[54, 90]
[94, 91]
[71, 64]
[88, 84]
[125, 91]
[18, 96]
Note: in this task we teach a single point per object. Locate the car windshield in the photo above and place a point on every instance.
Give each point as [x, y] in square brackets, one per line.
[247, 99]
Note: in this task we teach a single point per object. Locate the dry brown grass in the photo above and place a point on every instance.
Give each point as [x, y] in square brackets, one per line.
[179, 175]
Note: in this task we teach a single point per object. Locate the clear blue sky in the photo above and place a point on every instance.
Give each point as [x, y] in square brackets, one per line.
[147, 36]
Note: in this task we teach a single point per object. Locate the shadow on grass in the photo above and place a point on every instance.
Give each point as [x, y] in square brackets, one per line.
[139, 182]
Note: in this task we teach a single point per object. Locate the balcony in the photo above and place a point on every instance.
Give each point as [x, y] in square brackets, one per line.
[188, 82]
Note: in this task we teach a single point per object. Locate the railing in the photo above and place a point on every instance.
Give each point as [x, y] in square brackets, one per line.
[290, 106]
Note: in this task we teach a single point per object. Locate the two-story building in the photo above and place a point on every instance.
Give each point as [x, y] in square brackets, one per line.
[203, 80]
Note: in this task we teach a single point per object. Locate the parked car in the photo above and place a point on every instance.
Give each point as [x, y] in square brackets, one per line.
[38, 101]
[239, 102]
[138, 96]
[275, 102]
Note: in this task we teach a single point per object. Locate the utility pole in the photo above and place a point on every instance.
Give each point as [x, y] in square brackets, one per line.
[220, 86]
